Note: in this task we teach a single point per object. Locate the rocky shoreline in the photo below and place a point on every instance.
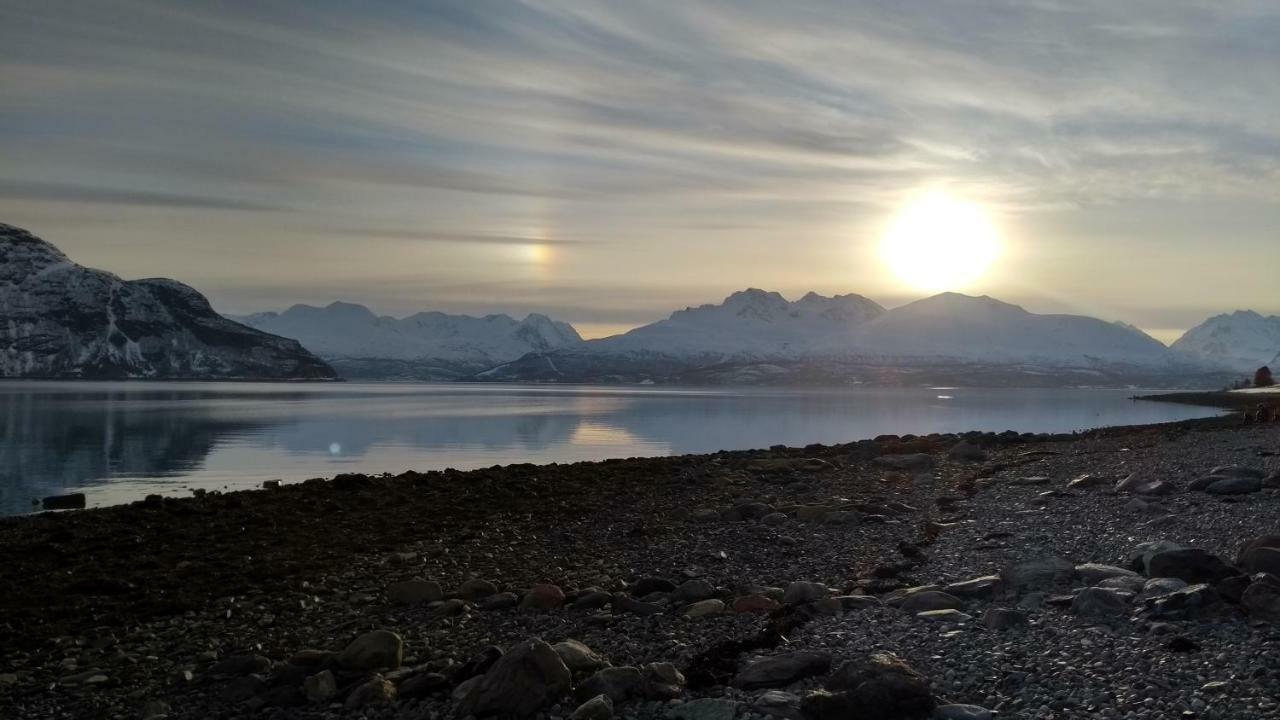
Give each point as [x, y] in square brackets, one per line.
[949, 576]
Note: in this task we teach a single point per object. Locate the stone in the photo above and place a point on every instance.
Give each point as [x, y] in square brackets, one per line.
[1141, 555]
[1185, 603]
[1238, 471]
[1101, 602]
[665, 681]
[962, 712]
[1094, 573]
[929, 600]
[802, 592]
[241, 689]
[543, 597]
[1156, 488]
[778, 704]
[1129, 483]
[529, 677]
[703, 608]
[376, 691]
[1263, 541]
[618, 683]
[774, 519]
[747, 511]
[1262, 598]
[949, 615]
[1128, 583]
[626, 604]
[705, 515]
[312, 658]
[878, 687]
[321, 687]
[754, 604]
[475, 589]
[498, 601]
[1087, 480]
[704, 709]
[422, 685]
[591, 600]
[1003, 619]
[70, 501]
[1235, 486]
[967, 451]
[373, 650]
[1043, 573]
[650, 585]
[1261, 559]
[599, 707]
[414, 592]
[578, 657]
[237, 665]
[897, 597]
[983, 588]
[694, 590]
[477, 664]
[854, 603]
[782, 670]
[1190, 564]
[155, 709]
[465, 688]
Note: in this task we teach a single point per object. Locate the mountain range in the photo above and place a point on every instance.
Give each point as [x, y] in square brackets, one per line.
[61, 320]
[425, 346]
[1242, 340]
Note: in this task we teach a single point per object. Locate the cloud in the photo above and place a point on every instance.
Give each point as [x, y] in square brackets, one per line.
[56, 192]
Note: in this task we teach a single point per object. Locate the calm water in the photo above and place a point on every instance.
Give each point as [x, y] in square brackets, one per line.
[120, 441]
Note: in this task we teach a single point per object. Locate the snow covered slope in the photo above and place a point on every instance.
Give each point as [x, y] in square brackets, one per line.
[428, 345]
[1242, 340]
[58, 319]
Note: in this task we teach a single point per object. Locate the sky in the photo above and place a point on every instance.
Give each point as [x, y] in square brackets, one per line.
[607, 163]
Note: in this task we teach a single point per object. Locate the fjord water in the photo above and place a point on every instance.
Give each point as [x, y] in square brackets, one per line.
[118, 442]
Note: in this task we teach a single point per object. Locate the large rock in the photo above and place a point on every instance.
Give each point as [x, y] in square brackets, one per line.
[1184, 604]
[1156, 587]
[414, 592]
[599, 707]
[879, 687]
[475, 589]
[803, 592]
[1141, 555]
[1094, 573]
[1043, 573]
[929, 600]
[1262, 541]
[321, 687]
[618, 683]
[1261, 559]
[695, 590]
[542, 597]
[375, 691]
[1235, 486]
[663, 680]
[778, 704]
[529, 677]
[1101, 602]
[1190, 564]
[1262, 598]
[703, 608]
[782, 670]
[373, 650]
[980, 587]
[578, 657]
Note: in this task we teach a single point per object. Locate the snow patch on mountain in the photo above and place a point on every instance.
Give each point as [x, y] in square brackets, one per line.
[1242, 340]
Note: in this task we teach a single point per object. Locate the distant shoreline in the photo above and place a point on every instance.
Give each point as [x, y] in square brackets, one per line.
[1217, 398]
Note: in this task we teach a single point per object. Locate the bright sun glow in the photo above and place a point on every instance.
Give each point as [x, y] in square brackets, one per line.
[938, 242]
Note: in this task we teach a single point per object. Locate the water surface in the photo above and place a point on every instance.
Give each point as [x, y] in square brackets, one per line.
[120, 441]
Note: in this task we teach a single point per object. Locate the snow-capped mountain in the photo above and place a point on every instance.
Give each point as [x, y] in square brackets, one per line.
[758, 336]
[429, 345]
[1242, 340]
[751, 323]
[62, 320]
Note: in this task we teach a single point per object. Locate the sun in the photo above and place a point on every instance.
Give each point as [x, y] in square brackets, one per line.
[939, 242]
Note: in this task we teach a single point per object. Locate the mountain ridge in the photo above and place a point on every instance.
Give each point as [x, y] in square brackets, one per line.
[1242, 340]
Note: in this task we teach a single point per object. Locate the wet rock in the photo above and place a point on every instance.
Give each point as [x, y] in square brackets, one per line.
[543, 597]
[803, 592]
[618, 683]
[703, 608]
[599, 707]
[529, 677]
[1003, 619]
[373, 650]
[414, 592]
[1101, 602]
[321, 687]
[1190, 564]
[578, 657]
[782, 670]
[376, 691]
[71, 501]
